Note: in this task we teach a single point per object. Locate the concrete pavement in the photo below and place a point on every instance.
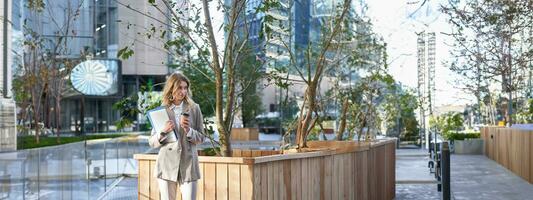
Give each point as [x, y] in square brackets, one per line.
[472, 177]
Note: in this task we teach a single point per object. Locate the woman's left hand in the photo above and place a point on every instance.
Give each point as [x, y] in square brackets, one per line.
[184, 123]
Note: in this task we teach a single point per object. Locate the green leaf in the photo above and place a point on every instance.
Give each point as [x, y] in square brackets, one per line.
[125, 53]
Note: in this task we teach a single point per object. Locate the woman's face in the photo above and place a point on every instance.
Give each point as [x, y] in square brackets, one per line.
[180, 92]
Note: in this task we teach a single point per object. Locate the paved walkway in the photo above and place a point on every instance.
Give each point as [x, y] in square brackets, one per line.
[472, 177]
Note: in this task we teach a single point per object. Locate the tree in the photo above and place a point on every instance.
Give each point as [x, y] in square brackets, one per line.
[194, 33]
[44, 67]
[368, 57]
[400, 117]
[493, 41]
[248, 78]
[314, 60]
[526, 115]
[447, 123]
[202, 87]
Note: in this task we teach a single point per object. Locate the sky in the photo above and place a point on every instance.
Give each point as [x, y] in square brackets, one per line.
[391, 20]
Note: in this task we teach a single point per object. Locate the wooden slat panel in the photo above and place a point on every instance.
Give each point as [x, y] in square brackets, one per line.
[380, 172]
[234, 181]
[305, 178]
[530, 157]
[237, 152]
[144, 177]
[210, 170]
[246, 153]
[222, 181]
[342, 191]
[247, 182]
[264, 153]
[256, 153]
[201, 183]
[286, 180]
[328, 170]
[278, 179]
[392, 174]
[348, 170]
[358, 175]
[336, 176]
[497, 145]
[488, 141]
[322, 174]
[295, 179]
[264, 181]
[316, 177]
[270, 180]
[258, 184]
[515, 152]
[371, 175]
[364, 165]
[154, 186]
[524, 151]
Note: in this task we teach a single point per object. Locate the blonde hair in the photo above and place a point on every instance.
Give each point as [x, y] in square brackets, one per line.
[173, 81]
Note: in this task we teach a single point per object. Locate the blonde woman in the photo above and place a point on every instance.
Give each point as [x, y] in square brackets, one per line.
[177, 161]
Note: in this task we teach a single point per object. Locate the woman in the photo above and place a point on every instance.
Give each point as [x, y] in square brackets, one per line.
[177, 161]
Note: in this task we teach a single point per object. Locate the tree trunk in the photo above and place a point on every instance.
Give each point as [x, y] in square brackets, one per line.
[305, 125]
[342, 127]
[224, 132]
[363, 124]
[58, 118]
[225, 143]
[36, 124]
[510, 83]
[224, 135]
[82, 115]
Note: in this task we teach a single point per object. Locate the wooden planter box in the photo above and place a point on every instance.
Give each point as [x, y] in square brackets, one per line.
[244, 134]
[340, 170]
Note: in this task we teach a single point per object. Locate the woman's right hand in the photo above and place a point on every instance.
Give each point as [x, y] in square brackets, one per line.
[169, 126]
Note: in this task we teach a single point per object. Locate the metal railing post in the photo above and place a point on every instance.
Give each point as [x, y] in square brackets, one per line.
[445, 177]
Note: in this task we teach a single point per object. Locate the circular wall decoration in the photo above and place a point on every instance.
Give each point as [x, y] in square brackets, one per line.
[91, 78]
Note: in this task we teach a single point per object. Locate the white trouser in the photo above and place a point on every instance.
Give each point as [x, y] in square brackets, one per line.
[168, 190]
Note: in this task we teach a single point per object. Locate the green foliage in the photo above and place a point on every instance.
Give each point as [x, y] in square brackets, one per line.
[447, 123]
[211, 151]
[290, 109]
[367, 98]
[251, 107]
[128, 110]
[525, 115]
[37, 5]
[28, 142]
[21, 96]
[249, 78]
[202, 87]
[313, 135]
[451, 136]
[400, 114]
[125, 53]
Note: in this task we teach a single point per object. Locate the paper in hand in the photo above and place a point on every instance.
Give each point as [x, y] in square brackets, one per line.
[158, 118]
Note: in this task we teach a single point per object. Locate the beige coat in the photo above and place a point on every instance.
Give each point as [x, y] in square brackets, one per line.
[180, 157]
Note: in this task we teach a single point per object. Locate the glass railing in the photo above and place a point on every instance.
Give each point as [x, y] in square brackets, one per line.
[83, 170]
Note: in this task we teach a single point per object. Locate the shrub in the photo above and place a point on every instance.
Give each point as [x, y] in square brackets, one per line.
[461, 136]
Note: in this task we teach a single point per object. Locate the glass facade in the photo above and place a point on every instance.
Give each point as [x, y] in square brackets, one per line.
[93, 32]
[105, 30]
